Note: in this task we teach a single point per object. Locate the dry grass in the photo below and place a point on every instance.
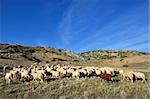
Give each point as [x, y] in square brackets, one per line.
[84, 88]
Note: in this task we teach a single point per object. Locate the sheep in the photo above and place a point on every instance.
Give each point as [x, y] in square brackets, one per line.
[127, 74]
[47, 65]
[41, 71]
[24, 74]
[60, 69]
[65, 67]
[139, 75]
[38, 76]
[98, 71]
[63, 72]
[15, 74]
[33, 70]
[108, 70]
[76, 74]
[55, 73]
[58, 66]
[70, 70]
[90, 72]
[48, 69]
[105, 76]
[83, 72]
[5, 68]
[8, 77]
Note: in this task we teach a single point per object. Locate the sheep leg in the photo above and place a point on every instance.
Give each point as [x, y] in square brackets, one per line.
[124, 77]
[112, 79]
[41, 80]
[131, 80]
[8, 81]
[144, 80]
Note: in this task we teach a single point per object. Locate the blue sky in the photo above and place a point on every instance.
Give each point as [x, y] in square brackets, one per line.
[77, 25]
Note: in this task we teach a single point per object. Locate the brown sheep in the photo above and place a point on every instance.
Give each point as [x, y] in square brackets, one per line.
[105, 76]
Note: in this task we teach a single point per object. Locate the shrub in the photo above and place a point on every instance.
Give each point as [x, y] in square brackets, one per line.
[121, 59]
[123, 56]
[125, 65]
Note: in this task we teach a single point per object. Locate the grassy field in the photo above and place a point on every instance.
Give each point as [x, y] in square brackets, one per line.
[84, 88]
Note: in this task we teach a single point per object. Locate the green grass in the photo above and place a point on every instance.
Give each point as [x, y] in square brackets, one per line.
[77, 89]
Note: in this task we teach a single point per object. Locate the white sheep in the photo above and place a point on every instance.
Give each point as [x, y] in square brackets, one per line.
[139, 75]
[70, 70]
[83, 72]
[15, 73]
[8, 77]
[55, 73]
[38, 76]
[98, 71]
[108, 70]
[127, 74]
[24, 74]
[76, 74]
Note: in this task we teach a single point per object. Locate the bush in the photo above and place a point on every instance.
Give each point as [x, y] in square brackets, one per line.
[125, 65]
[123, 56]
[121, 59]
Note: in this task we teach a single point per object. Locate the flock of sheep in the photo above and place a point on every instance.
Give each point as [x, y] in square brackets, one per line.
[40, 73]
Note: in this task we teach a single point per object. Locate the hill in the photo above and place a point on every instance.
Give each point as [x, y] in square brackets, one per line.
[14, 55]
[108, 54]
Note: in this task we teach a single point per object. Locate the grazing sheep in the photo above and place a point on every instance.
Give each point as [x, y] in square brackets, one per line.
[5, 68]
[15, 74]
[97, 71]
[139, 75]
[76, 74]
[24, 74]
[108, 70]
[65, 67]
[58, 66]
[8, 77]
[105, 76]
[41, 71]
[62, 71]
[70, 70]
[83, 72]
[91, 72]
[38, 76]
[48, 69]
[55, 73]
[127, 74]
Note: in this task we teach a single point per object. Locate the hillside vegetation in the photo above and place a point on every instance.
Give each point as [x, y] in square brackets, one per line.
[108, 54]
